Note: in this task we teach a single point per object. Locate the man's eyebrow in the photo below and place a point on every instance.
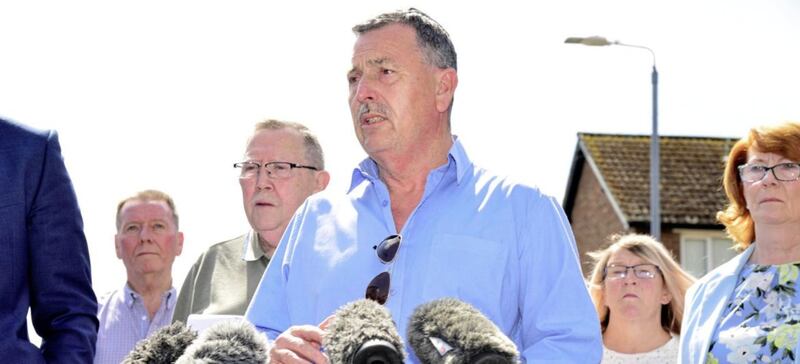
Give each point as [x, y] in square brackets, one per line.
[379, 61]
[371, 62]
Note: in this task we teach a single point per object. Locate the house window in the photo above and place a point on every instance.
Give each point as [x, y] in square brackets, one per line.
[700, 254]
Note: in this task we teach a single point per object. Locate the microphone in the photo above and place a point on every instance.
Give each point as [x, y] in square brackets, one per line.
[164, 346]
[362, 332]
[453, 332]
[233, 341]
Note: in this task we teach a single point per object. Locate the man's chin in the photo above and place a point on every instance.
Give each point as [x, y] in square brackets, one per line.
[266, 228]
[263, 218]
[374, 147]
[149, 267]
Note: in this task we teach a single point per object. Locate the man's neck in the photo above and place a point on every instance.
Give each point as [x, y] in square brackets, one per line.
[413, 165]
[150, 287]
[406, 175]
[265, 242]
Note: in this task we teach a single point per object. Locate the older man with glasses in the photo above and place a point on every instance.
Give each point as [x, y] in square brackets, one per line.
[421, 221]
[283, 165]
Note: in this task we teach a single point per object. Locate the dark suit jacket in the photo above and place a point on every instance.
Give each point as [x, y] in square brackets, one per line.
[44, 260]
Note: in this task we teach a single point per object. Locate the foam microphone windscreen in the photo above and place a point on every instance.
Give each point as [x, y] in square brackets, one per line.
[363, 332]
[235, 341]
[164, 346]
[451, 331]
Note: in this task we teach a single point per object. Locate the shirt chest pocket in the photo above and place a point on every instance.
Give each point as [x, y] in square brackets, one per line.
[469, 268]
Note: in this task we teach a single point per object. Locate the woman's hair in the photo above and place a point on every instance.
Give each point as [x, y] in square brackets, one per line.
[676, 280]
[782, 139]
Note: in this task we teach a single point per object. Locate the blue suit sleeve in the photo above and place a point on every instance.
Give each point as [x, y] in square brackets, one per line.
[63, 304]
[559, 321]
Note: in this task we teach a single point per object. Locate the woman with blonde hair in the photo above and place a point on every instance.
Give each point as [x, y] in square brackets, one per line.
[748, 309]
[638, 291]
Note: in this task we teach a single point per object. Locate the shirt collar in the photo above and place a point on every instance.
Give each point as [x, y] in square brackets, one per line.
[251, 249]
[368, 169]
[130, 296]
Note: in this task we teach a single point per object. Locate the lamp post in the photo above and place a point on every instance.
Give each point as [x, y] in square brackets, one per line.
[655, 203]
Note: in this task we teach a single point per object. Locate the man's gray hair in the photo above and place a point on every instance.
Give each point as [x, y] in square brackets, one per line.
[313, 148]
[148, 196]
[432, 39]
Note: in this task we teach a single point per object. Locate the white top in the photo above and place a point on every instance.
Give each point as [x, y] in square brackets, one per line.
[667, 353]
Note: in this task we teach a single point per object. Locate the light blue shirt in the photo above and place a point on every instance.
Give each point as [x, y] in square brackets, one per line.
[123, 322]
[503, 247]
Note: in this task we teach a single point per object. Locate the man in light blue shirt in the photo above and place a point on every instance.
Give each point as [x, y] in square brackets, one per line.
[464, 232]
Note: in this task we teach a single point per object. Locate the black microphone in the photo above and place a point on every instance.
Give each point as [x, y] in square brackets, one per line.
[234, 341]
[164, 346]
[362, 332]
[453, 332]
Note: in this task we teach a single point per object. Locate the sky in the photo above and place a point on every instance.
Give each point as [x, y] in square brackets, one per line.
[163, 94]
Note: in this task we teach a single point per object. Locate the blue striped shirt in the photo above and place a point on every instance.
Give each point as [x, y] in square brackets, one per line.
[123, 322]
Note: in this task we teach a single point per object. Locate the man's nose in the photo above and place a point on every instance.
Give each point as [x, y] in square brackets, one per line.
[364, 90]
[264, 179]
[146, 234]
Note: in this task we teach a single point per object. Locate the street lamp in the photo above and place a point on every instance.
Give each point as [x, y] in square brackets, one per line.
[655, 204]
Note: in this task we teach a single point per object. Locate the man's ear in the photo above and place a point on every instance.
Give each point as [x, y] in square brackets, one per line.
[179, 247]
[117, 246]
[447, 80]
[322, 178]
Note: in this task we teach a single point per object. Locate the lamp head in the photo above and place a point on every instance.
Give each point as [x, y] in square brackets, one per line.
[589, 41]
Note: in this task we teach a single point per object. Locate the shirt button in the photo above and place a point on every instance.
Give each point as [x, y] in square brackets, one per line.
[385, 203]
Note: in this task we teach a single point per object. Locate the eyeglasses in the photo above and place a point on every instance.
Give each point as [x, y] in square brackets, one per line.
[378, 287]
[641, 271]
[781, 172]
[274, 169]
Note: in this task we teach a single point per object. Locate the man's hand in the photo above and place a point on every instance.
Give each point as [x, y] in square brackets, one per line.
[299, 344]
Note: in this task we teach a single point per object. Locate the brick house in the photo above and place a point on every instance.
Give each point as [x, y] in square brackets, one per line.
[608, 192]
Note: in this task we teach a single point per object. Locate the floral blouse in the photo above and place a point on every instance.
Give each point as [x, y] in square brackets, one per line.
[761, 324]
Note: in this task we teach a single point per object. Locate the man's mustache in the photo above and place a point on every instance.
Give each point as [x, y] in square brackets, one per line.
[372, 108]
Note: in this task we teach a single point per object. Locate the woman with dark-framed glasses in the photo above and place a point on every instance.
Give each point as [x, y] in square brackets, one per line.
[748, 309]
[638, 290]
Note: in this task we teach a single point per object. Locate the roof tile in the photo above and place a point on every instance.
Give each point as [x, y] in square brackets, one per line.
[691, 174]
